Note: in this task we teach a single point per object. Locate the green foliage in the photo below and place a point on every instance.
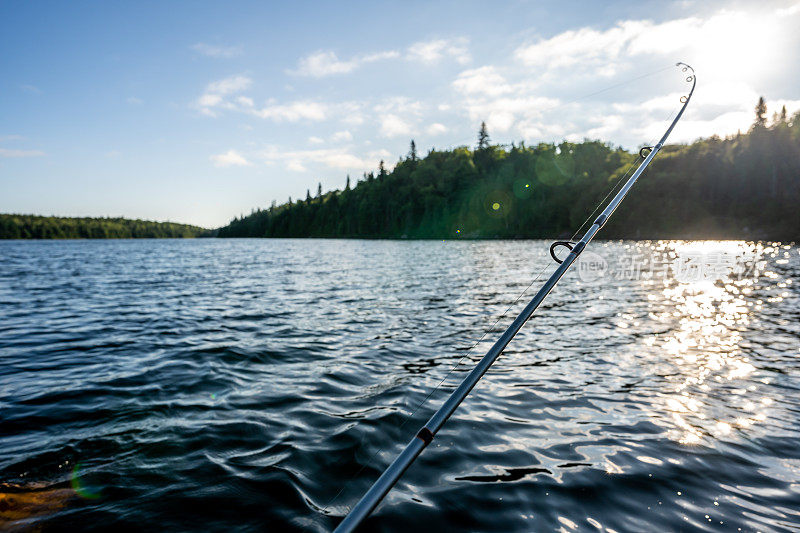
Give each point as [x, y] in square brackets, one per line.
[37, 227]
[746, 186]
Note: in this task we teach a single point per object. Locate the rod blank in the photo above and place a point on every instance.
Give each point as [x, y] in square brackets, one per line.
[392, 474]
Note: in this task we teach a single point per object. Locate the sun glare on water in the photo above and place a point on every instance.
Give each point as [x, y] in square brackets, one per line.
[703, 345]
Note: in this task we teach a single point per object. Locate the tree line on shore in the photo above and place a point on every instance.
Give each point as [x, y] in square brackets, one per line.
[40, 227]
[746, 186]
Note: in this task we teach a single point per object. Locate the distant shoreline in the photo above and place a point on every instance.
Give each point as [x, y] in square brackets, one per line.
[36, 227]
[44, 228]
[457, 239]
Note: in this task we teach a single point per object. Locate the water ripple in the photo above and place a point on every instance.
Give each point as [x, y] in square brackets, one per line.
[219, 385]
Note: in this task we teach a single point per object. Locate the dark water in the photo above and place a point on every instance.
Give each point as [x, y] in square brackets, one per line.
[228, 385]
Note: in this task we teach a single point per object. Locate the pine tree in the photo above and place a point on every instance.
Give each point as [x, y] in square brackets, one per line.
[319, 190]
[347, 185]
[381, 170]
[483, 137]
[761, 113]
[783, 118]
[412, 155]
[308, 197]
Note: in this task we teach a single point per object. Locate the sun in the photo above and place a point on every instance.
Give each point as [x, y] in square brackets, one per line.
[739, 46]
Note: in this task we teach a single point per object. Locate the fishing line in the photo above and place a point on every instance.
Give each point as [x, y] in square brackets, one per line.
[536, 278]
[504, 313]
[561, 105]
[392, 474]
[620, 181]
[435, 389]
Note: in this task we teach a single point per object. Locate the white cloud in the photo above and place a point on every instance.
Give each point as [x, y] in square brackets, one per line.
[342, 136]
[582, 46]
[223, 95]
[344, 161]
[788, 11]
[394, 126]
[230, 85]
[326, 63]
[231, 158]
[295, 166]
[431, 52]
[297, 160]
[379, 56]
[5, 152]
[503, 114]
[530, 101]
[401, 105]
[484, 80]
[245, 101]
[727, 48]
[351, 113]
[214, 97]
[293, 111]
[727, 43]
[210, 50]
[208, 101]
[436, 129]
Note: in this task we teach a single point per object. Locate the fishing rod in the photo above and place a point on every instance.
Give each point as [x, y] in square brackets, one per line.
[425, 435]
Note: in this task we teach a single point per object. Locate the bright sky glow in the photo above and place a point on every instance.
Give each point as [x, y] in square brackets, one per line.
[197, 112]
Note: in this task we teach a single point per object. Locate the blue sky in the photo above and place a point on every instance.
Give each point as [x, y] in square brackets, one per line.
[199, 111]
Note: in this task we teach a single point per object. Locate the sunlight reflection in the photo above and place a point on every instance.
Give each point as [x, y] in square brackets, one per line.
[706, 313]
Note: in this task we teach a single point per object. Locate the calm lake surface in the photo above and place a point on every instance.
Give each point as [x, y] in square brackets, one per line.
[242, 384]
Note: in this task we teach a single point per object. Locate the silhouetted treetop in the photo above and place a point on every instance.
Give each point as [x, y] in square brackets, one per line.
[483, 137]
[761, 113]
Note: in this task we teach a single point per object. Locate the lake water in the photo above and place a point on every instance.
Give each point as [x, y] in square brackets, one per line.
[243, 384]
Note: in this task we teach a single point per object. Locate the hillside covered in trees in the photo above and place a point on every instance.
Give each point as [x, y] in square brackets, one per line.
[36, 227]
[743, 187]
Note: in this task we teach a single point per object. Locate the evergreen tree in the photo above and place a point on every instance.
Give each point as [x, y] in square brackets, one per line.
[761, 113]
[783, 118]
[483, 137]
[319, 190]
[412, 154]
[731, 188]
[347, 185]
[381, 170]
[308, 196]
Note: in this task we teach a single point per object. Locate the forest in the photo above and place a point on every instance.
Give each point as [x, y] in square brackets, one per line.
[39, 227]
[745, 186]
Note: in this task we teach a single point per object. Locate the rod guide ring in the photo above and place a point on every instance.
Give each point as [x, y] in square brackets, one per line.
[556, 244]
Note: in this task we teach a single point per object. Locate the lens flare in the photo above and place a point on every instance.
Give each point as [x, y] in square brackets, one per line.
[78, 486]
